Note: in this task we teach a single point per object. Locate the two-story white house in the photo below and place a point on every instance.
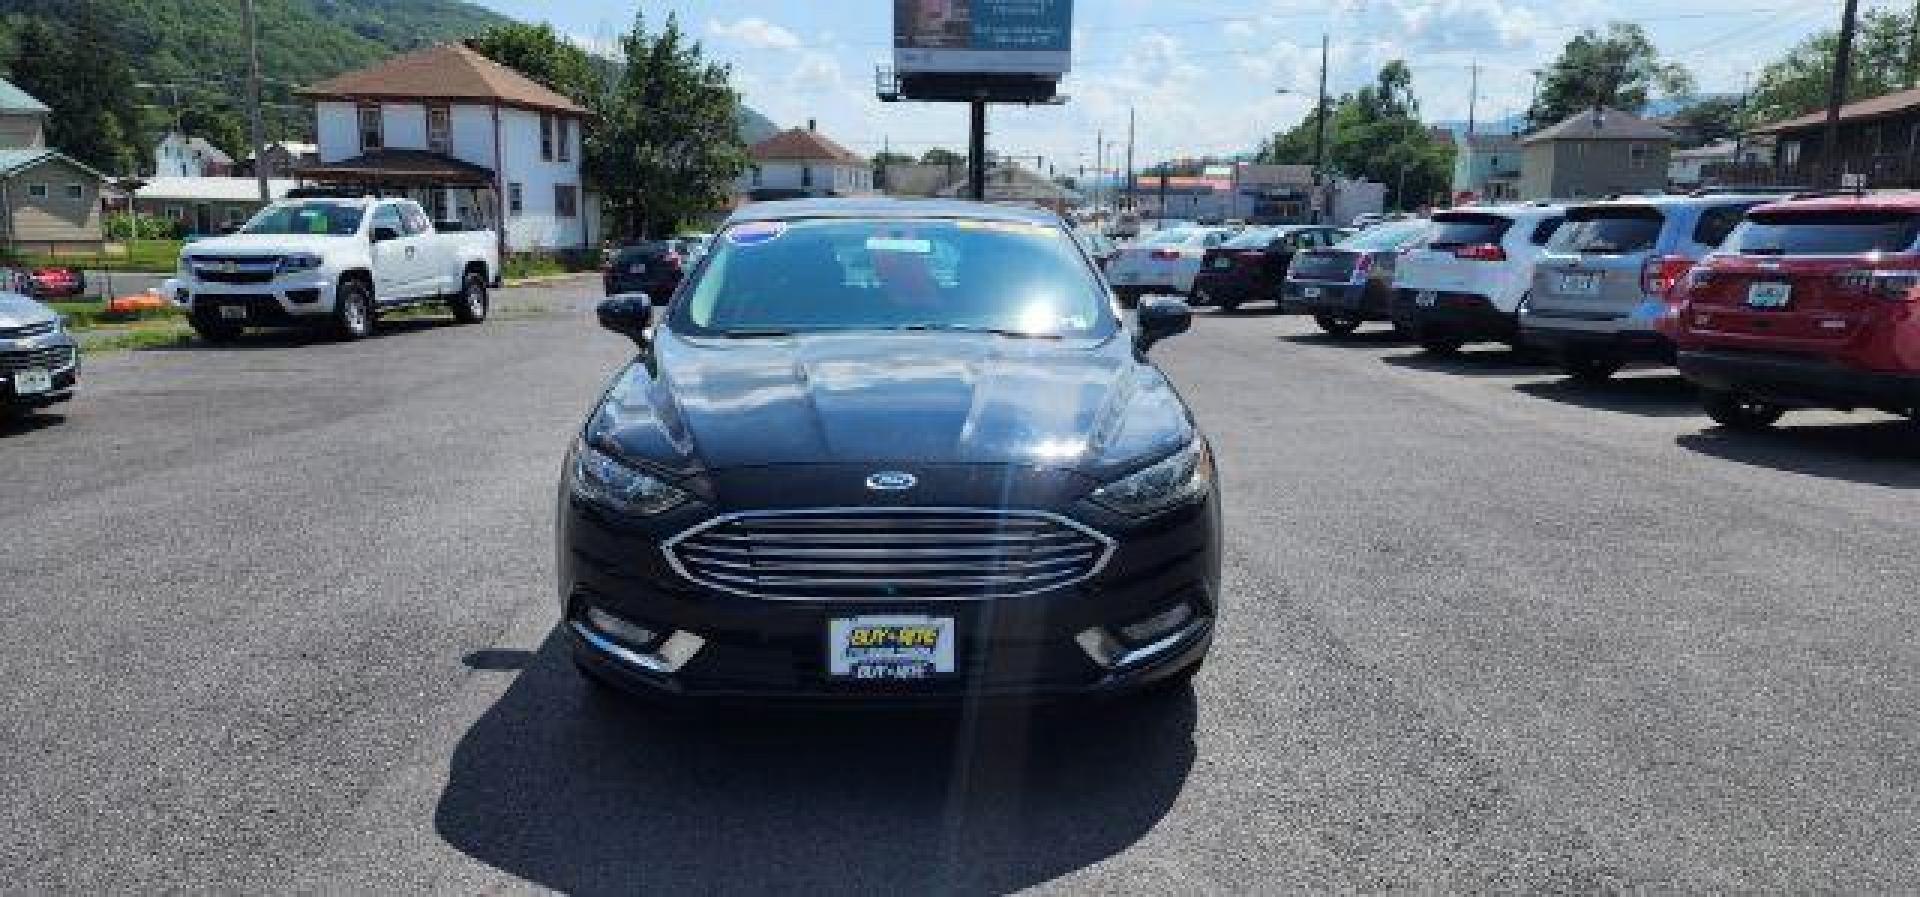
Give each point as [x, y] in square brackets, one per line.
[180, 156]
[801, 162]
[471, 139]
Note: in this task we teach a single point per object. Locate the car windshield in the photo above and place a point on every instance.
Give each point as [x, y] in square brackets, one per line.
[310, 218]
[1608, 231]
[895, 274]
[1385, 237]
[1252, 238]
[1824, 233]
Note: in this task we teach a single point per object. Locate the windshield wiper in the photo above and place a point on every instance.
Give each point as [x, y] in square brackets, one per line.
[997, 331]
[755, 333]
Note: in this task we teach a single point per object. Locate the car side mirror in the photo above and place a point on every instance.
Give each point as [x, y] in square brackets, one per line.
[1160, 317]
[628, 314]
[383, 234]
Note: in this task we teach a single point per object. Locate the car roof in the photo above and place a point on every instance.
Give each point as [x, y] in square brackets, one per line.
[1901, 201]
[1677, 199]
[1525, 211]
[881, 207]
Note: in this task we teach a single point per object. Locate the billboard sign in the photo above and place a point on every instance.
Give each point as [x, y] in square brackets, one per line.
[1024, 37]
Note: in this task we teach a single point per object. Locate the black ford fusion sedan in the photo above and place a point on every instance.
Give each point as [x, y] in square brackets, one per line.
[879, 451]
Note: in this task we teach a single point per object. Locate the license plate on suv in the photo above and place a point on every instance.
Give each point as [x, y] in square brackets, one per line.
[1581, 284]
[1769, 295]
[890, 648]
[1223, 262]
[32, 382]
[1426, 298]
[233, 312]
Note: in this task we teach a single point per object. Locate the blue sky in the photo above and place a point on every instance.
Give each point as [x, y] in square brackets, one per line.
[1203, 76]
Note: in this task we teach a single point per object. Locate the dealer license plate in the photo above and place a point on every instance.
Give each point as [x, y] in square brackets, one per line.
[1223, 262]
[881, 648]
[32, 382]
[1310, 292]
[233, 312]
[637, 268]
[1769, 295]
[1426, 298]
[1579, 284]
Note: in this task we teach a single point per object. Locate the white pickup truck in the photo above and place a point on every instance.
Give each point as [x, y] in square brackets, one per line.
[334, 263]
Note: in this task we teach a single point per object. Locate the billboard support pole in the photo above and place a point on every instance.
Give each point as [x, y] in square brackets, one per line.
[977, 151]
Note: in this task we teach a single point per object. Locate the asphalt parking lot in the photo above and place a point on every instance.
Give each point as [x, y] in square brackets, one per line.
[280, 617]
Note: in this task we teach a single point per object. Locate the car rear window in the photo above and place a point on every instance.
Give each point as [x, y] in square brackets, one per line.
[1467, 230]
[641, 251]
[1385, 237]
[1609, 231]
[1253, 238]
[895, 274]
[1824, 233]
[1168, 237]
[1717, 222]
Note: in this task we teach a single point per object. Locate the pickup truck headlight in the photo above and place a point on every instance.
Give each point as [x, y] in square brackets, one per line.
[1181, 477]
[601, 479]
[298, 262]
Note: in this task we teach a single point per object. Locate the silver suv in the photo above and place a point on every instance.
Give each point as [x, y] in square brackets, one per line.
[1601, 287]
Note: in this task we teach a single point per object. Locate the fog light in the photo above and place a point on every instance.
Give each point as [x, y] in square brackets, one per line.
[629, 633]
[1158, 625]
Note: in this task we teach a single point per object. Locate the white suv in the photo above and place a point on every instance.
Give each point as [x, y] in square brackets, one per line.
[1164, 261]
[1466, 281]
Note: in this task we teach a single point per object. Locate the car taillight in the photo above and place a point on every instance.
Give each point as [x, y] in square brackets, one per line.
[673, 260]
[1164, 255]
[1481, 252]
[1661, 273]
[1362, 266]
[1889, 284]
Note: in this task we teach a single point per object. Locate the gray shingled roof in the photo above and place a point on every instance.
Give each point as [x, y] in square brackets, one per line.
[1606, 124]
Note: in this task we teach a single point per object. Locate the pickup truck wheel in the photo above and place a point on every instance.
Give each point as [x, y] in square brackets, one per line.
[353, 311]
[470, 307]
[1338, 325]
[1736, 411]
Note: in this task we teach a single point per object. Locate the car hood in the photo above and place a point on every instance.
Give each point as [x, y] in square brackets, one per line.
[19, 311]
[266, 244]
[699, 405]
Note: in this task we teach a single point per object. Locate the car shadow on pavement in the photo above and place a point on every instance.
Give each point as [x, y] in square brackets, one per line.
[1488, 361]
[1882, 452]
[17, 423]
[577, 789]
[1356, 339]
[1648, 396]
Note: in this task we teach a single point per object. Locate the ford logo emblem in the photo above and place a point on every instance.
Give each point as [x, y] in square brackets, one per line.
[892, 481]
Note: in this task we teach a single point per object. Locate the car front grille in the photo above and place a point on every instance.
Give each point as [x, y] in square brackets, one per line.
[211, 269]
[888, 553]
[52, 358]
[40, 329]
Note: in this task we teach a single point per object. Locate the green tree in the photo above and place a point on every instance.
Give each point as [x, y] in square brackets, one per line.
[1798, 82]
[668, 148]
[73, 65]
[1617, 68]
[1376, 134]
[540, 53]
[940, 155]
[1712, 119]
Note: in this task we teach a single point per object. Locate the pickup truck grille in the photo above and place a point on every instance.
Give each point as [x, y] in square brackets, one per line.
[221, 269]
[52, 358]
[888, 553]
[41, 329]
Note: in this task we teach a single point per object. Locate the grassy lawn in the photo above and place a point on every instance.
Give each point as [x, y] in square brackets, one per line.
[141, 255]
[92, 315]
[138, 335]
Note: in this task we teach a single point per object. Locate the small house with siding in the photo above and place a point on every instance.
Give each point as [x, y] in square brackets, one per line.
[49, 202]
[23, 119]
[1597, 153]
[1878, 146]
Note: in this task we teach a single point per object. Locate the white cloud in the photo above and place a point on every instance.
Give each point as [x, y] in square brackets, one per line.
[755, 32]
[1466, 25]
[1238, 29]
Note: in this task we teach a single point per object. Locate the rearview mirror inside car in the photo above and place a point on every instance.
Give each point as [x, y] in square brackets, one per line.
[628, 314]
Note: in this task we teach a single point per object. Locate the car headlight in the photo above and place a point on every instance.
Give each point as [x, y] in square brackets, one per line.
[1181, 477]
[299, 261]
[601, 479]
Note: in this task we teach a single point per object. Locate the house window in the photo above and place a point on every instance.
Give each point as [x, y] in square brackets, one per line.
[370, 128]
[440, 130]
[546, 137]
[515, 199]
[37, 191]
[756, 175]
[566, 200]
[806, 175]
[1637, 155]
[235, 216]
[175, 213]
[76, 192]
[1790, 154]
[566, 139]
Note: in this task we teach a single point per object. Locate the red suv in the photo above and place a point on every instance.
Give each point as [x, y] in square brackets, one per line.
[1809, 303]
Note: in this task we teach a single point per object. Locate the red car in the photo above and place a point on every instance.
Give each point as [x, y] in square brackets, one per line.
[1810, 303]
[57, 283]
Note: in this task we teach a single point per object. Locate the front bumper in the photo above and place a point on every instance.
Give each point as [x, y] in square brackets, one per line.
[56, 354]
[1013, 648]
[1800, 380]
[284, 302]
[1467, 317]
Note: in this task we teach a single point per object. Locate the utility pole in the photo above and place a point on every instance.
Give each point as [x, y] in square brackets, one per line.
[1473, 101]
[977, 152]
[253, 101]
[1740, 121]
[1533, 106]
[1837, 96]
[1099, 163]
[1131, 204]
[1320, 131]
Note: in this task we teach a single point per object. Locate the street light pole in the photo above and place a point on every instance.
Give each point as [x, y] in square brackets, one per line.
[1320, 131]
[253, 101]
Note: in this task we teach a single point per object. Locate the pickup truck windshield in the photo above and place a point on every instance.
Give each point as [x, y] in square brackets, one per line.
[320, 218]
[1009, 277]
